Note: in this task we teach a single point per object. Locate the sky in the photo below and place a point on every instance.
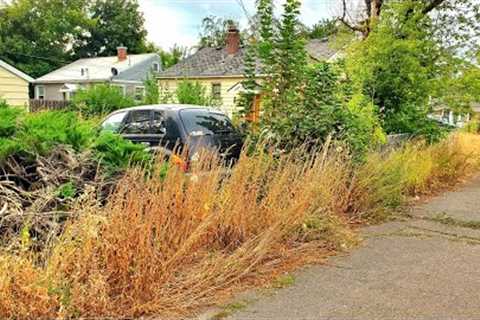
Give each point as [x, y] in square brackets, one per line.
[170, 22]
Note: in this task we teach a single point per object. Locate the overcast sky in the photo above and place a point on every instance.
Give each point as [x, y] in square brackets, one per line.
[172, 22]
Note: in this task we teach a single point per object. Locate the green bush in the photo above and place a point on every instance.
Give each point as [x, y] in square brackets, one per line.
[9, 118]
[115, 153]
[193, 92]
[101, 99]
[40, 132]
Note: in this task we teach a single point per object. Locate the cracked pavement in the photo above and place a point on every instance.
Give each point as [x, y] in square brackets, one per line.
[424, 267]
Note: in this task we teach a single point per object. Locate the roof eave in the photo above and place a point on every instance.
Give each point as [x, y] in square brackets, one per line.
[16, 72]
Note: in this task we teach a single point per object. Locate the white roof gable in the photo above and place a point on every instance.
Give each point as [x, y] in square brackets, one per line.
[15, 71]
[96, 69]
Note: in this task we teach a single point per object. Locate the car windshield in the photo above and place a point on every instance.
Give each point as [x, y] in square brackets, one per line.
[114, 122]
[202, 122]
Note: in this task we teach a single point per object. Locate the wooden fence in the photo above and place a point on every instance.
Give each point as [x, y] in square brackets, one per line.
[36, 105]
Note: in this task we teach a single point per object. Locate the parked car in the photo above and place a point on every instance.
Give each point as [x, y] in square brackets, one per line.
[169, 128]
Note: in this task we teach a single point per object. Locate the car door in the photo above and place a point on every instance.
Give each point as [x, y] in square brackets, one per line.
[138, 128]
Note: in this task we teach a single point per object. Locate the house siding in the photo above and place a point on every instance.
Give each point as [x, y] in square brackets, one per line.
[228, 97]
[13, 88]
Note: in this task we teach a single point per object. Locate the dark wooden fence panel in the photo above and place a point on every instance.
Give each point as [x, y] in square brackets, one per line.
[39, 105]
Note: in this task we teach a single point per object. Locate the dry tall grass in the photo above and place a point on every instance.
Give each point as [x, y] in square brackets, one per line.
[168, 246]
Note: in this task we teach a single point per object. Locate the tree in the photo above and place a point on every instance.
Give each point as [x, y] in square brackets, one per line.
[36, 36]
[170, 57]
[152, 91]
[398, 66]
[364, 17]
[117, 23]
[323, 29]
[213, 30]
[285, 80]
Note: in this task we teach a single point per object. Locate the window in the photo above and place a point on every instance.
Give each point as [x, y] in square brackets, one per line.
[158, 123]
[40, 92]
[139, 93]
[156, 67]
[138, 122]
[114, 122]
[199, 122]
[121, 87]
[216, 91]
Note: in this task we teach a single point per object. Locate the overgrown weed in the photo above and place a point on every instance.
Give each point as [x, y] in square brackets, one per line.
[168, 246]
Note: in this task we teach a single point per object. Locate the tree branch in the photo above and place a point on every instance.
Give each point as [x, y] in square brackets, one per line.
[343, 19]
[432, 5]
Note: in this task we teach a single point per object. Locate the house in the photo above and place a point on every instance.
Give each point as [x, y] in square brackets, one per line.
[125, 71]
[221, 70]
[14, 85]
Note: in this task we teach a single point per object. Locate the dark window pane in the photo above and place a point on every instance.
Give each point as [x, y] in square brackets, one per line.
[201, 122]
[139, 122]
[158, 123]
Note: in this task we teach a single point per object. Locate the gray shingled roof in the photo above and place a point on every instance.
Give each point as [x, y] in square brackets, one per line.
[214, 62]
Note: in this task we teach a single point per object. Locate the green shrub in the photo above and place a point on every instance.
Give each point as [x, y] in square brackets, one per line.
[101, 99]
[8, 147]
[193, 92]
[115, 153]
[9, 118]
[40, 132]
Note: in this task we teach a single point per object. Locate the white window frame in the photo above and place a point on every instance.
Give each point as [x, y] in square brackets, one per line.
[135, 93]
[37, 92]
[156, 67]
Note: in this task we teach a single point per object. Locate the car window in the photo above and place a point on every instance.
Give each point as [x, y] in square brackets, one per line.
[202, 122]
[158, 123]
[138, 122]
[114, 122]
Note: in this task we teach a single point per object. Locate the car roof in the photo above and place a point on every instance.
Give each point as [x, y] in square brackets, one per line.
[168, 107]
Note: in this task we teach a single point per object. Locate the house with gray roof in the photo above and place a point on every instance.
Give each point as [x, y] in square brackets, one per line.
[221, 70]
[127, 72]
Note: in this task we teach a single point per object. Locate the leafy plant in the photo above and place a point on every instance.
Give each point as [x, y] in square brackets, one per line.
[193, 92]
[101, 99]
[116, 153]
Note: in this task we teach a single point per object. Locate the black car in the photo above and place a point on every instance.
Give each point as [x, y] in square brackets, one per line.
[169, 127]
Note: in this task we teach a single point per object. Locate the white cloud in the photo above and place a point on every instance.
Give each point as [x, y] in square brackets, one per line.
[167, 25]
[172, 22]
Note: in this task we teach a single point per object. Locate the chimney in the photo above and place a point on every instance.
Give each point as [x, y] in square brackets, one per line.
[233, 40]
[122, 53]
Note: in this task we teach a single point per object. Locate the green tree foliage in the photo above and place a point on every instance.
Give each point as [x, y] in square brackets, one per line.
[101, 99]
[39, 36]
[193, 92]
[173, 56]
[36, 36]
[307, 103]
[213, 31]
[116, 23]
[286, 72]
[399, 66]
[152, 91]
[325, 28]
[249, 85]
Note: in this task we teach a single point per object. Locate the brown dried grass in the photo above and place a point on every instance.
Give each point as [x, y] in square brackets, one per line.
[169, 246]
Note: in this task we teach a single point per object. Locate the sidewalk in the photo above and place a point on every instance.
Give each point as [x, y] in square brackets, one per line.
[425, 267]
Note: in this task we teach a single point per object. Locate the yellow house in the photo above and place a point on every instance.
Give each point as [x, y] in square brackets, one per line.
[14, 85]
[221, 70]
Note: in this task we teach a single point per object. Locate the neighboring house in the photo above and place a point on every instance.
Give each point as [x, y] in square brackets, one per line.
[448, 117]
[125, 71]
[14, 85]
[221, 70]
